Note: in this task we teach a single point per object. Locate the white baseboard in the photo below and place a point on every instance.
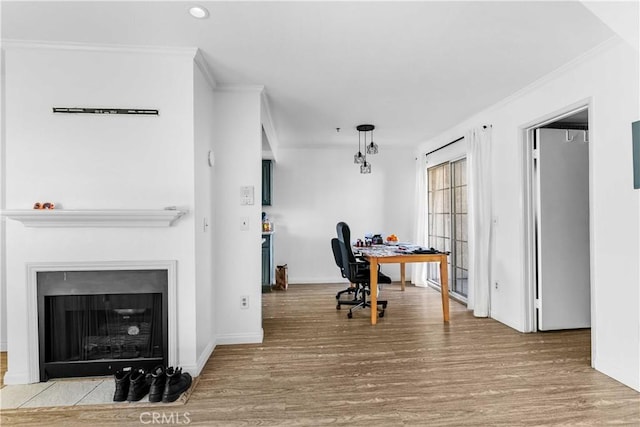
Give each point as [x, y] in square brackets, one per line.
[3, 346]
[204, 358]
[18, 378]
[333, 280]
[248, 338]
[316, 280]
[226, 339]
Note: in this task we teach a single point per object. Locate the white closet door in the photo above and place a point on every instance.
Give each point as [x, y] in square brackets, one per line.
[562, 176]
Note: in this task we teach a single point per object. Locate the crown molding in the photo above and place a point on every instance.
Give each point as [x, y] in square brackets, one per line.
[267, 124]
[341, 146]
[574, 63]
[96, 47]
[239, 88]
[459, 129]
[191, 52]
[203, 66]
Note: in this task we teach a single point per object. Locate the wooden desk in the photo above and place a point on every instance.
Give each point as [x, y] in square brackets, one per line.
[375, 256]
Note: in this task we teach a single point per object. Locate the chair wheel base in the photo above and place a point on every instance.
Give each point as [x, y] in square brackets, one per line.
[349, 315]
[338, 307]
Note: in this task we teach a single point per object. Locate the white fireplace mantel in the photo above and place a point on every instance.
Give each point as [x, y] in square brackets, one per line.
[96, 218]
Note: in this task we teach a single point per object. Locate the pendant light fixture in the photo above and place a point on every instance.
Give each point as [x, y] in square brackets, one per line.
[365, 167]
[372, 148]
[358, 158]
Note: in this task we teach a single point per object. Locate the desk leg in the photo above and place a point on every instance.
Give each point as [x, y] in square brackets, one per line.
[402, 275]
[444, 287]
[373, 284]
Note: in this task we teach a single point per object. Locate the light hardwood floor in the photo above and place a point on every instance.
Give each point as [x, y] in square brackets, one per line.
[316, 367]
[3, 367]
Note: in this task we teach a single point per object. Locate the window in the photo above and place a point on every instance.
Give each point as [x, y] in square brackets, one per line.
[447, 222]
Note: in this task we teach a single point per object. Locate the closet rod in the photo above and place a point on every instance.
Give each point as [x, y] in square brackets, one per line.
[452, 142]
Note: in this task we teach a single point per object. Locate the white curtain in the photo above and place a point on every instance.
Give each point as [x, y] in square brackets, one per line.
[419, 269]
[480, 219]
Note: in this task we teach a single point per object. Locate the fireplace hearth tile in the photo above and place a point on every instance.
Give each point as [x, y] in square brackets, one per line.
[62, 393]
[13, 396]
[101, 394]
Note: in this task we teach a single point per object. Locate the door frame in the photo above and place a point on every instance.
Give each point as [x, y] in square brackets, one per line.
[529, 201]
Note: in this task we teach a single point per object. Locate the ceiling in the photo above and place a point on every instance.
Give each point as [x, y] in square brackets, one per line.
[413, 69]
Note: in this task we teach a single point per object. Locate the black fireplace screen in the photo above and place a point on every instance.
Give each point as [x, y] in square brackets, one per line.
[94, 327]
[97, 322]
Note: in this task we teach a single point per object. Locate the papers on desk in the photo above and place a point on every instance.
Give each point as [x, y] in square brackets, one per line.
[377, 250]
[416, 249]
[409, 247]
[391, 250]
[387, 250]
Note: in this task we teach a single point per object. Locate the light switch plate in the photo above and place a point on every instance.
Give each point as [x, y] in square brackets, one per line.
[246, 195]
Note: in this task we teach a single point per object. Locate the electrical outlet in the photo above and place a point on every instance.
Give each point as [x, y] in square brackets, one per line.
[244, 223]
[244, 301]
[496, 285]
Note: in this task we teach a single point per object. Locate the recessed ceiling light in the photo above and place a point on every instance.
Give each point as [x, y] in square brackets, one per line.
[199, 12]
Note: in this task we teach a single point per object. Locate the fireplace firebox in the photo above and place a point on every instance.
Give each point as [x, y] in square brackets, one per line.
[93, 323]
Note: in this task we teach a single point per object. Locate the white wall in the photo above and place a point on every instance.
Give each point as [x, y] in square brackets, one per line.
[3, 229]
[203, 214]
[101, 161]
[314, 189]
[238, 148]
[607, 78]
[98, 162]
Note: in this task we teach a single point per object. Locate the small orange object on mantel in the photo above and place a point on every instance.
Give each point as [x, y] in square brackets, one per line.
[45, 205]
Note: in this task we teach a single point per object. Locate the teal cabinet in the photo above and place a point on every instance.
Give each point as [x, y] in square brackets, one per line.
[267, 262]
[267, 180]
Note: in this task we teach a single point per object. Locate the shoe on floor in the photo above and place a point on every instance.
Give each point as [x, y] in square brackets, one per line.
[177, 383]
[122, 385]
[138, 385]
[157, 380]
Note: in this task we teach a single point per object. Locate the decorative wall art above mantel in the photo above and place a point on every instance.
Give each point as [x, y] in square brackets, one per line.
[80, 110]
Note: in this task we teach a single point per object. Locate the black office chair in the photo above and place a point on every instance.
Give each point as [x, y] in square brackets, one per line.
[358, 273]
[352, 289]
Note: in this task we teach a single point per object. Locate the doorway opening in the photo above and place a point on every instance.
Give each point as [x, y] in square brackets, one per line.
[556, 217]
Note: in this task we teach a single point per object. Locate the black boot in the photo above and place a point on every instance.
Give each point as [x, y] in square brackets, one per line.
[157, 379]
[122, 385]
[177, 383]
[138, 385]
